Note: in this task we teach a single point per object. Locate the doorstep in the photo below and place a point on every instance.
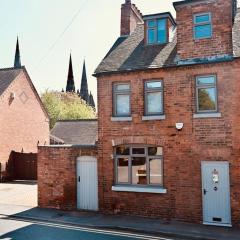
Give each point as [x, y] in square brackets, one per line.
[130, 223]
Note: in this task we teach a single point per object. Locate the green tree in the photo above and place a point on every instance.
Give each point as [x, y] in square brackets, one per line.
[66, 106]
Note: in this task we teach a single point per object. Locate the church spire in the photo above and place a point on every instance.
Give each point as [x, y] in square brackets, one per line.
[17, 60]
[84, 85]
[91, 101]
[70, 80]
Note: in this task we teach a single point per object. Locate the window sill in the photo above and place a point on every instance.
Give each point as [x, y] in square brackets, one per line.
[121, 119]
[149, 118]
[138, 189]
[207, 115]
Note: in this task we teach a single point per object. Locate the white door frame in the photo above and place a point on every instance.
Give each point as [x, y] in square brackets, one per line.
[203, 163]
[86, 159]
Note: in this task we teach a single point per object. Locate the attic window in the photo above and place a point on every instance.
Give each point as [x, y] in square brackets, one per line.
[157, 31]
[202, 26]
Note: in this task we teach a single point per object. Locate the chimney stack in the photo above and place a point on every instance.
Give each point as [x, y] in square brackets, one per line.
[130, 17]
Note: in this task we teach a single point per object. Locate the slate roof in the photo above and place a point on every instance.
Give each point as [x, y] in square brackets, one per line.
[76, 132]
[7, 76]
[132, 54]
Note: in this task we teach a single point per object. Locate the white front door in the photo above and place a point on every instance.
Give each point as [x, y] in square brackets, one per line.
[216, 193]
[87, 183]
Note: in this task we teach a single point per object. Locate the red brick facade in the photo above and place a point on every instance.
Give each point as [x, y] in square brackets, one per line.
[57, 183]
[212, 139]
[24, 123]
[221, 41]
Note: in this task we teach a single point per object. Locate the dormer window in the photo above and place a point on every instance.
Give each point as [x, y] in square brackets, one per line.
[157, 31]
[202, 26]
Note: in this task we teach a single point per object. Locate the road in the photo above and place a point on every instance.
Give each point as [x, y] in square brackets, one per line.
[19, 229]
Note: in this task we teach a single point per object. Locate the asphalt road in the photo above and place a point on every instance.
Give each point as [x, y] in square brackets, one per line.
[18, 229]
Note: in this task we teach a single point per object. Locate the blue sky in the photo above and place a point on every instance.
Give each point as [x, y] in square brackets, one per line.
[39, 24]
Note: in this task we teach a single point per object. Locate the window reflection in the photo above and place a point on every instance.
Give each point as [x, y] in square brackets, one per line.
[122, 167]
[139, 170]
[155, 167]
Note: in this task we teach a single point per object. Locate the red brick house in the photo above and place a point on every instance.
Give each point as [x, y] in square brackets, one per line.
[168, 121]
[24, 123]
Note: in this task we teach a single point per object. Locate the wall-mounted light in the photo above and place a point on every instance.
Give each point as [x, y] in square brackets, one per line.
[179, 126]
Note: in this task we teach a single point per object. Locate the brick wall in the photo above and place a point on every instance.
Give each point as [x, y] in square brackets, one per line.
[23, 124]
[221, 41]
[57, 183]
[212, 139]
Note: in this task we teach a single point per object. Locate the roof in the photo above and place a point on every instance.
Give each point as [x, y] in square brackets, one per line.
[7, 76]
[77, 132]
[160, 15]
[131, 54]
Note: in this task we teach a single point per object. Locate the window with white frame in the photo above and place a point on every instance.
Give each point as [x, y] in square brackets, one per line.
[157, 31]
[153, 97]
[206, 93]
[121, 100]
[139, 165]
[202, 26]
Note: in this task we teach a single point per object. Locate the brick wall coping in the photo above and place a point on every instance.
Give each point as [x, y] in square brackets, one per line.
[68, 146]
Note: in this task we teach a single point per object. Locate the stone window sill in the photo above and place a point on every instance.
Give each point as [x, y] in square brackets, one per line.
[207, 115]
[121, 119]
[149, 118]
[138, 189]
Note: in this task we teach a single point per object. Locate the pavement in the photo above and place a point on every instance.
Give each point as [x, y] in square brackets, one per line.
[23, 193]
[14, 213]
[169, 230]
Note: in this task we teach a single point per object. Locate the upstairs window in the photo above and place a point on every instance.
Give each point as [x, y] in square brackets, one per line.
[153, 97]
[206, 94]
[156, 31]
[202, 26]
[121, 100]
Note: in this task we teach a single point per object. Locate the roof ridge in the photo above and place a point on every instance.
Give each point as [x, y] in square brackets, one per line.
[11, 68]
[78, 120]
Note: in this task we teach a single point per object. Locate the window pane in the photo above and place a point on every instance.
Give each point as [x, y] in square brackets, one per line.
[151, 36]
[122, 87]
[203, 31]
[153, 151]
[206, 80]
[122, 169]
[154, 102]
[139, 170]
[122, 105]
[162, 35]
[202, 18]
[207, 99]
[122, 150]
[155, 171]
[138, 151]
[151, 23]
[151, 85]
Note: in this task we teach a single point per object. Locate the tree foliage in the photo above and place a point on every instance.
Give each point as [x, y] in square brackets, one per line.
[66, 106]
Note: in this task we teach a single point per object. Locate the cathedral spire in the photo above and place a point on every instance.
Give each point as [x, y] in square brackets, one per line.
[70, 80]
[84, 85]
[91, 101]
[17, 60]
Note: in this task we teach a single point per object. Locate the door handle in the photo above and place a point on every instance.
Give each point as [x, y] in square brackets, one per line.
[204, 191]
[79, 179]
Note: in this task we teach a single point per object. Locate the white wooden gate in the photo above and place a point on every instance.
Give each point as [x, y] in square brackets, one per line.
[216, 193]
[87, 183]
